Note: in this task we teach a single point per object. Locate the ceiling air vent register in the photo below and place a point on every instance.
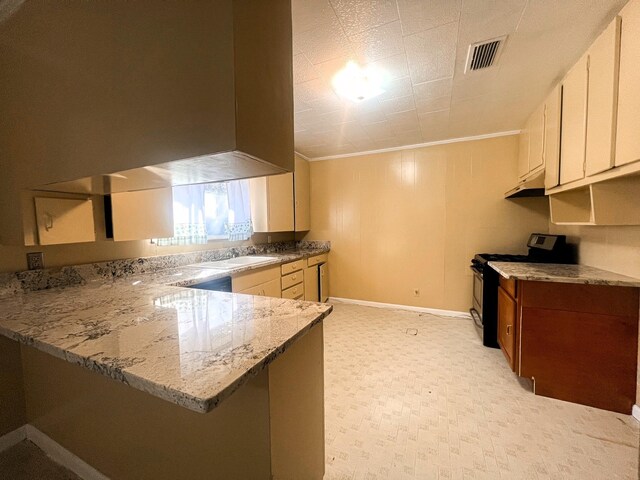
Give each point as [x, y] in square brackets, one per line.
[484, 54]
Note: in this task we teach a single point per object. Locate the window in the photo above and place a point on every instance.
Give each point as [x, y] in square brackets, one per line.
[210, 211]
[216, 210]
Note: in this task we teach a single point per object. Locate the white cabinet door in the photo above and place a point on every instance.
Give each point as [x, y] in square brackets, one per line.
[574, 122]
[142, 215]
[552, 138]
[628, 125]
[523, 155]
[281, 214]
[603, 93]
[64, 220]
[536, 139]
[272, 203]
[301, 193]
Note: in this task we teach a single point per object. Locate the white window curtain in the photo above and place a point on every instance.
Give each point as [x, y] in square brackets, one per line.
[200, 208]
[188, 216]
[239, 225]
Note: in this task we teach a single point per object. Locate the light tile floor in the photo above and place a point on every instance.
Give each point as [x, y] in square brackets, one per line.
[439, 405]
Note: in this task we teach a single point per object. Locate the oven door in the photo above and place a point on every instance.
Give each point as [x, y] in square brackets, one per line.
[476, 309]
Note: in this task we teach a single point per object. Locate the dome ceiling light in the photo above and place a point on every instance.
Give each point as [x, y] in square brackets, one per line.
[359, 83]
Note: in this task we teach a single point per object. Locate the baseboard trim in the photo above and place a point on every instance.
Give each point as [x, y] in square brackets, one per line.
[53, 450]
[635, 411]
[63, 456]
[433, 311]
[10, 439]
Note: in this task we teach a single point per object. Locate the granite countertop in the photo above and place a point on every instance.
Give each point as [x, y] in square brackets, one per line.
[562, 273]
[188, 346]
[187, 276]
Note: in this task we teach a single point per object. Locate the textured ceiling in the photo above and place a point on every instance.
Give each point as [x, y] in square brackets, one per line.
[423, 45]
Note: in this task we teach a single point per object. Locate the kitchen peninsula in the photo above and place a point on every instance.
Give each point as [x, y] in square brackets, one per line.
[142, 378]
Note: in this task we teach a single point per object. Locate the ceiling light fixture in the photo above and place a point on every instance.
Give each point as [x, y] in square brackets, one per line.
[359, 83]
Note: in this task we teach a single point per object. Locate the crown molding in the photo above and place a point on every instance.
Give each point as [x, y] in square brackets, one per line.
[304, 157]
[417, 145]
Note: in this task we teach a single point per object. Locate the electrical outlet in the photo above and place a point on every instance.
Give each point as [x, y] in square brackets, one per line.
[416, 292]
[35, 261]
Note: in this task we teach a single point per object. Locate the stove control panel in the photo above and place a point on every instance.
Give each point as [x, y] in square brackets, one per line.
[544, 241]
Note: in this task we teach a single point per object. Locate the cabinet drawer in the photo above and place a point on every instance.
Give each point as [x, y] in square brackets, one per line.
[576, 297]
[267, 289]
[288, 268]
[294, 292]
[311, 261]
[292, 279]
[242, 282]
[509, 286]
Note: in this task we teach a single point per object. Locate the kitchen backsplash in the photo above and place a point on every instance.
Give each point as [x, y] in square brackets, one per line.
[32, 280]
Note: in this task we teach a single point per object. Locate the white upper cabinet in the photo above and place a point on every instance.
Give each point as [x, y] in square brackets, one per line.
[281, 203]
[628, 125]
[141, 215]
[574, 122]
[604, 57]
[532, 139]
[302, 195]
[523, 156]
[536, 139]
[272, 203]
[64, 220]
[130, 95]
[552, 138]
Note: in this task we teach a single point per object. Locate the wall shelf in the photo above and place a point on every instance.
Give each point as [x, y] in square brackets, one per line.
[611, 202]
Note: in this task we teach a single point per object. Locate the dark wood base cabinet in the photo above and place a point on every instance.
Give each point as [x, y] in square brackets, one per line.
[507, 316]
[577, 342]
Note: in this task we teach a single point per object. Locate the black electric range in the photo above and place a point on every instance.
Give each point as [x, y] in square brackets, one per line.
[543, 248]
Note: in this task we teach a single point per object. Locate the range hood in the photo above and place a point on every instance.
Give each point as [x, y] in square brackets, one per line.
[529, 187]
[103, 97]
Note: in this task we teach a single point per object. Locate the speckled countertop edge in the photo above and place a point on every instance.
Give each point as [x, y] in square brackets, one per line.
[562, 273]
[189, 276]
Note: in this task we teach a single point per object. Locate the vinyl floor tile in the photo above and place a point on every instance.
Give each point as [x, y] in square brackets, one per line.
[438, 405]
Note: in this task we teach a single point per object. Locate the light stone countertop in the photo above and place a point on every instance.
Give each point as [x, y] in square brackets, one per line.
[562, 273]
[188, 346]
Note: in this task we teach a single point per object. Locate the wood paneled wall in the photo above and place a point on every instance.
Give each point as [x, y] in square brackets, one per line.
[414, 219]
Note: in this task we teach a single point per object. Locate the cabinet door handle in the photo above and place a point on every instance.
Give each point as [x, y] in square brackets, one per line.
[508, 329]
[48, 221]
[293, 277]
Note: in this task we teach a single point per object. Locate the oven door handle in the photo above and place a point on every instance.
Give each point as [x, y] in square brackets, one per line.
[476, 317]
